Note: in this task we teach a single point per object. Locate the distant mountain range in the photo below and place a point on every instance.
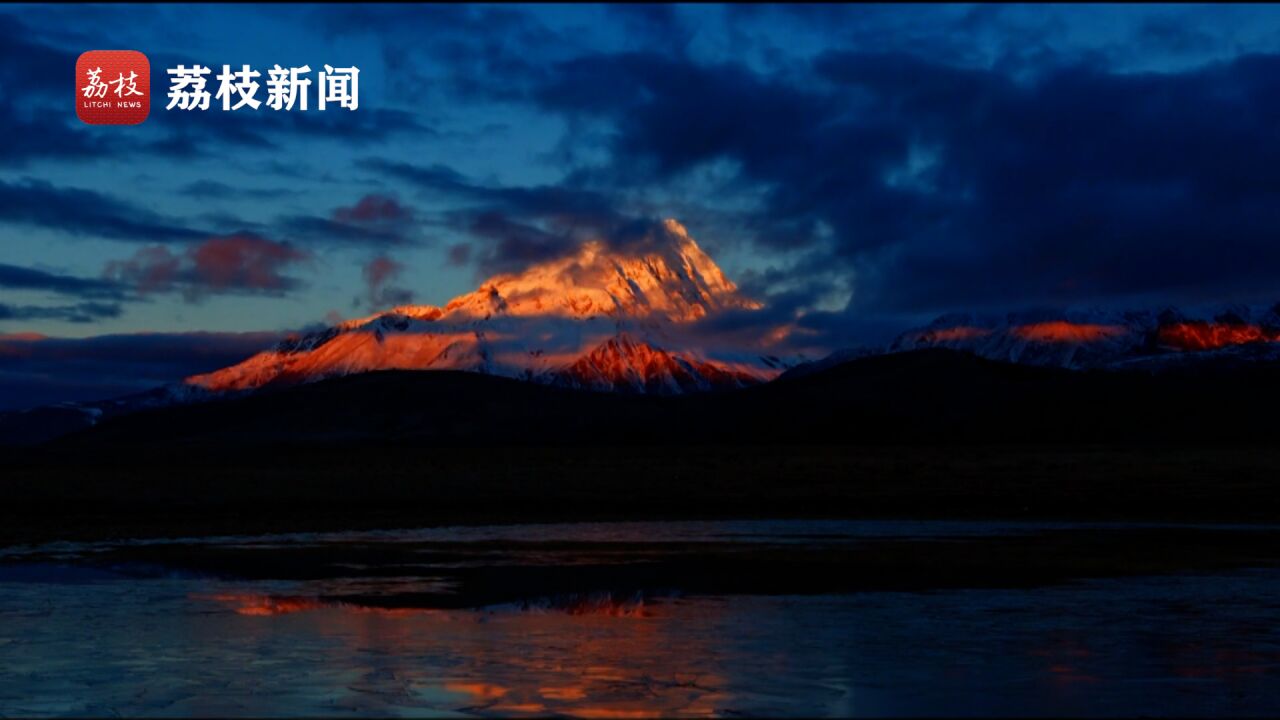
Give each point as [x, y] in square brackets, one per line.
[625, 322]
[931, 395]
[1107, 339]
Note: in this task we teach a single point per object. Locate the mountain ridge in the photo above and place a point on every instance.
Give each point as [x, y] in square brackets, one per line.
[1107, 339]
[920, 396]
[597, 318]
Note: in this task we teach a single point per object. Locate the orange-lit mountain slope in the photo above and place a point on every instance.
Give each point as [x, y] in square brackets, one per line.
[600, 319]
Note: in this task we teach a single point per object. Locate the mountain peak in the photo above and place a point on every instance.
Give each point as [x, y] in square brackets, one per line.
[625, 364]
[669, 277]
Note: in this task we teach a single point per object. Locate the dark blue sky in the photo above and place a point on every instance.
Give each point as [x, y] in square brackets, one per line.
[859, 167]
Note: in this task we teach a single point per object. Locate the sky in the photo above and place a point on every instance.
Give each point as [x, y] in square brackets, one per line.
[858, 168]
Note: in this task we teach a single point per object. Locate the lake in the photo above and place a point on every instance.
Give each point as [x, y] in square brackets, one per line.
[251, 627]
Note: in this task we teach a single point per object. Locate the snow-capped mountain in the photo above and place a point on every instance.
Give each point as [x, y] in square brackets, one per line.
[600, 319]
[1103, 339]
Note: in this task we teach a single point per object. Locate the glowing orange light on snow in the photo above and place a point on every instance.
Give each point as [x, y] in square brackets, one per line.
[1200, 335]
[1063, 331]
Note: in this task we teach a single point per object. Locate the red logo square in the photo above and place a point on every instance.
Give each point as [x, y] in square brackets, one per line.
[113, 87]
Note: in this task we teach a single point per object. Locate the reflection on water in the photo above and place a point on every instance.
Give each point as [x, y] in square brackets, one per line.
[85, 641]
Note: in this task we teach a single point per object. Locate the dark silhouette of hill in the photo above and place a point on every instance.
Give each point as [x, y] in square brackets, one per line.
[913, 397]
[931, 433]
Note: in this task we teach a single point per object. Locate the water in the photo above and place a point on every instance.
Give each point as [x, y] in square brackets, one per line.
[79, 637]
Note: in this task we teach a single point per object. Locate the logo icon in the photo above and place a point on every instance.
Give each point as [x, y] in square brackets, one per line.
[113, 87]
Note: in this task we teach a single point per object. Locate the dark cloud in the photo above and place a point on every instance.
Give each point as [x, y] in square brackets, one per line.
[30, 66]
[937, 186]
[35, 79]
[516, 225]
[374, 209]
[1083, 185]
[84, 212]
[100, 299]
[327, 230]
[85, 312]
[652, 24]
[240, 263]
[375, 219]
[48, 136]
[364, 126]
[512, 245]
[465, 51]
[13, 277]
[459, 254]
[188, 134]
[37, 371]
[213, 190]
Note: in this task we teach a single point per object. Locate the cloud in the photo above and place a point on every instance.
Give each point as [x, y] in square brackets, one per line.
[652, 24]
[936, 186]
[214, 190]
[14, 277]
[44, 137]
[459, 254]
[462, 51]
[29, 66]
[373, 209]
[100, 298]
[85, 212]
[519, 225]
[240, 263]
[34, 76]
[375, 219]
[38, 371]
[378, 275]
[85, 312]
[192, 134]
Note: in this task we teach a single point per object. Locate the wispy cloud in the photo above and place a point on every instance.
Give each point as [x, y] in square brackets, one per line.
[87, 213]
[14, 277]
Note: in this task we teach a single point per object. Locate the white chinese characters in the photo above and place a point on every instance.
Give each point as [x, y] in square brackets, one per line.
[186, 88]
[340, 85]
[241, 83]
[287, 88]
[124, 86]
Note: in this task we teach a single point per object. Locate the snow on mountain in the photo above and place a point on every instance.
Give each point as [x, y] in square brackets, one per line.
[1101, 339]
[624, 364]
[599, 319]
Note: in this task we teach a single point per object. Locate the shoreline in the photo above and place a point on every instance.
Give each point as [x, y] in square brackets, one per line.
[442, 572]
[189, 491]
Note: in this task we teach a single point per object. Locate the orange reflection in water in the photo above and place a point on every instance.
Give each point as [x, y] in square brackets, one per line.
[595, 658]
[1063, 331]
[262, 605]
[1200, 335]
[617, 666]
[254, 604]
[1064, 656]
